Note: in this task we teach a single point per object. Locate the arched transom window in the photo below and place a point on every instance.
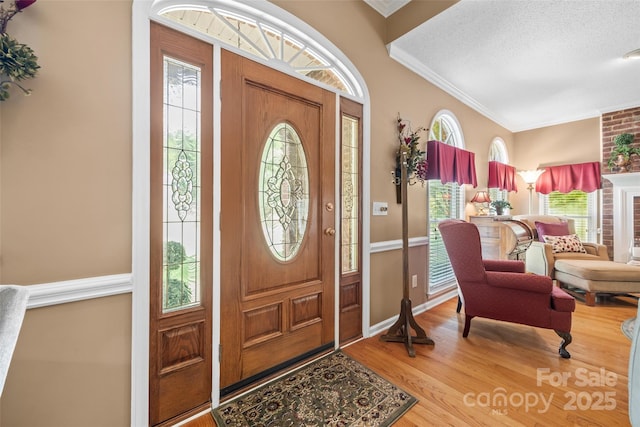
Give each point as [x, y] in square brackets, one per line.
[265, 38]
[498, 152]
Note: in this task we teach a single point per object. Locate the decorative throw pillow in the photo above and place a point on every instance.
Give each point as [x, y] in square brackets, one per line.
[568, 243]
[552, 229]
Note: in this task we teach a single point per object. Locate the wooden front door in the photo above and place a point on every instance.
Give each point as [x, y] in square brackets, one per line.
[277, 221]
[181, 256]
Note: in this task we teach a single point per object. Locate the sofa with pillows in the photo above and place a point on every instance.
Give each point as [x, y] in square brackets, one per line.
[555, 239]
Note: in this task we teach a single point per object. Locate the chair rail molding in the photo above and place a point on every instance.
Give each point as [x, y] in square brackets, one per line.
[46, 294]
[392, 245]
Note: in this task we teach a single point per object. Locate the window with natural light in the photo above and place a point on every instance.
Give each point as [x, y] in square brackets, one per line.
[498, 152]
[181, 188]
[266, 41]
[578, 205]
[445, 201]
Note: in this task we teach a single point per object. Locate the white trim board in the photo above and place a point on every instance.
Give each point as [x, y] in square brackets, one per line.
[386, 324]
[54, 293]
[392, 245]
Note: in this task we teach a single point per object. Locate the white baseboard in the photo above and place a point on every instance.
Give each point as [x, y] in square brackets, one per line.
[386, 324]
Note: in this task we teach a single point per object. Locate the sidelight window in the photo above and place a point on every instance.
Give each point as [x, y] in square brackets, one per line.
[181, 185]
[350, 231]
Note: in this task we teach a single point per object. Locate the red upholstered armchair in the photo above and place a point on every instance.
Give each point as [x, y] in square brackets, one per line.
[501, 290]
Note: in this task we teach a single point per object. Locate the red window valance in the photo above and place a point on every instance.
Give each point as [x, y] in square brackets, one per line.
[450, 164]
[566, 178]
[502, 176]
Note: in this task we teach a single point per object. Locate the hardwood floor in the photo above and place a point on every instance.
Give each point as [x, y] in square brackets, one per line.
[507, 374]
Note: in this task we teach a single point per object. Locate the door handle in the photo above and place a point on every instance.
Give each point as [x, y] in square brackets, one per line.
[329, 231]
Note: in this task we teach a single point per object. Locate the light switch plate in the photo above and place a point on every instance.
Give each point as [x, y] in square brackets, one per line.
[380, 208]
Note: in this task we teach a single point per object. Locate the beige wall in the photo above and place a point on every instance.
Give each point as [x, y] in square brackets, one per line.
[386, 268]
[71, 366]
[66, 149]
[574, 142]
[65, 195]
[65, 209]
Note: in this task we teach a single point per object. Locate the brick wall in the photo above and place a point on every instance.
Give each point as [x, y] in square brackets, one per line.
[615, 123]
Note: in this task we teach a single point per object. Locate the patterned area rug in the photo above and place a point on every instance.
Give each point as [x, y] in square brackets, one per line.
[332, 391]
[627, 327]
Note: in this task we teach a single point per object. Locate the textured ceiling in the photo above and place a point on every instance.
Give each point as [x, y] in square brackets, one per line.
[528, 64]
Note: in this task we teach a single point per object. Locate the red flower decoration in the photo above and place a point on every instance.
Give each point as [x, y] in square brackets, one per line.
[23, 4]
[8, 13]
[409, 142]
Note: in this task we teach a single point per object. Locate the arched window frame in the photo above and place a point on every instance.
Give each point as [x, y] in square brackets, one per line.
[445, 201]
[498, 152]
[255, 36]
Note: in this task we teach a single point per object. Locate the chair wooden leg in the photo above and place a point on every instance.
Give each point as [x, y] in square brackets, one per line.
[590, 298]
[467, 324]
[459, 304]
[566, 340]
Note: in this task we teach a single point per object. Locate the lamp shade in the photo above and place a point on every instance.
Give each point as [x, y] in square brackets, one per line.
[531, 176]
[481, 197]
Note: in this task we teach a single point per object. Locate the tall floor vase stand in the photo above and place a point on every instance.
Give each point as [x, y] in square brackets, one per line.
[400, 331]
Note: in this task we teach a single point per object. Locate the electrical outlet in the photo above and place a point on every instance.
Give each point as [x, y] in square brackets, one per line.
[380, 208]
[414, 281]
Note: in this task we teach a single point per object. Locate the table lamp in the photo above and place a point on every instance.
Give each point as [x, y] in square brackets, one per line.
[480, 198]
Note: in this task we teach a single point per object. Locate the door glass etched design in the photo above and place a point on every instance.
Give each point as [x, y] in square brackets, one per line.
[350, 220]
[283, 192]
[181, 186]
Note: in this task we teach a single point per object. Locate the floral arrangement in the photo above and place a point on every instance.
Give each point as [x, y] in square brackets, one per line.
[409, 143]
[17, 60]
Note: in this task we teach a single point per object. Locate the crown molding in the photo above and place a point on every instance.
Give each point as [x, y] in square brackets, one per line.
[386, 8]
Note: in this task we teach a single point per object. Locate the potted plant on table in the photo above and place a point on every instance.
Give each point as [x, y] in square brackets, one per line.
[500, 205]
[621, 153]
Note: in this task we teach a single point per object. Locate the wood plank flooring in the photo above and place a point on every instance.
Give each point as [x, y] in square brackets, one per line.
[507, 374]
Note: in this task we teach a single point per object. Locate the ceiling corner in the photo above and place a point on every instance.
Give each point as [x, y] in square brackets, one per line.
[386, 8]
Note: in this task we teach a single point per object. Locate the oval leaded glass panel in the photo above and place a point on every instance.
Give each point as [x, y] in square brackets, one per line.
[283, 192]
